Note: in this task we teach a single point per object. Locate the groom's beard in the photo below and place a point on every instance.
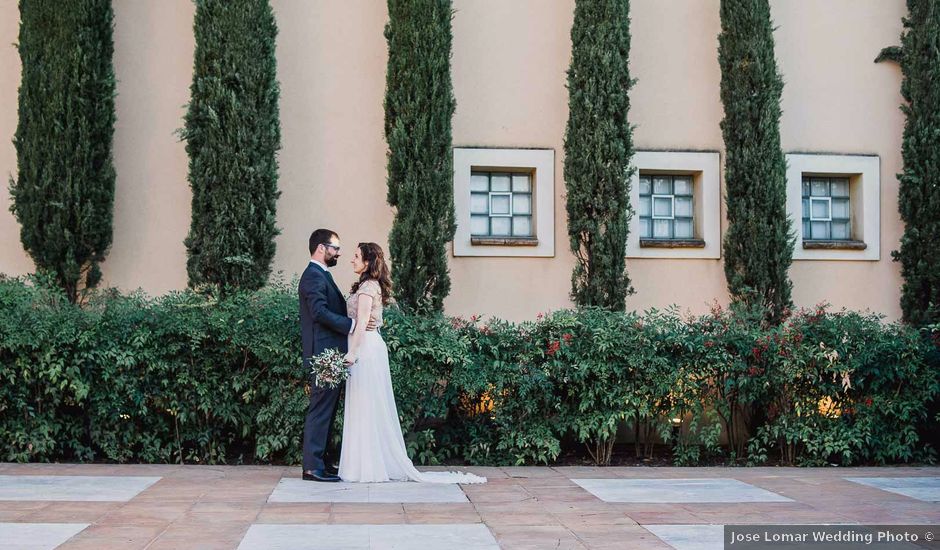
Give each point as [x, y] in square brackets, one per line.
[331, 261]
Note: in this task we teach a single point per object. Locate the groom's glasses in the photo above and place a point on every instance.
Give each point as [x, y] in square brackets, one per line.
[333, 246]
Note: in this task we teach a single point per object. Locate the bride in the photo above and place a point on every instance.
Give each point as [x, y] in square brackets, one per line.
[373, 448]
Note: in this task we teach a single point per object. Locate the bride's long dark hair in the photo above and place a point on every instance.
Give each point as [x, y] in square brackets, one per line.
[376, 268]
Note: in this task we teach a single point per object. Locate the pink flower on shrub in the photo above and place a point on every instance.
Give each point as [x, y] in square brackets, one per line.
[553, 347]
[567, 337]
[716, 309]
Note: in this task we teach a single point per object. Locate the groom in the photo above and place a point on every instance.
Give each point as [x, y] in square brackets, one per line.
[323, 325]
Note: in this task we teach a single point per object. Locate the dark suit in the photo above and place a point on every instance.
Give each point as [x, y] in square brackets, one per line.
[323, 325]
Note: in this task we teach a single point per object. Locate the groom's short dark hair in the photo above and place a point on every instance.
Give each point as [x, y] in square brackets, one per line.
[320, 236]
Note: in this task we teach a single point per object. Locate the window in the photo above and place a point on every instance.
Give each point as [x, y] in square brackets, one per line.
[665, 208]
[676, 199]
[835, 204]
[504, 201]
[500, 204]
[826, 212]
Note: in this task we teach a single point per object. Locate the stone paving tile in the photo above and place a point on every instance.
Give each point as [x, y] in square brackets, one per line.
[536, 537]
[37, 536]
[13, 510]
[225, 511]
[73, 488]
[13, 516]
[496, 519]
[677, 490]
[593, 472]
[125, 537]
[296, 490]
[553, 483]
[690, 537]
[294, 512]
[385, 513]
[532, 506]
[37, 469]
[200, 534]
[617, 537]
[152, 470]
[583, 507]
[71, 512]
[661, 518]
[369, 537]
[491, 473]
[146, 513]
[441, 513]
[503, 497]
[213, 506]
[792, 512]
[926, 489]
[889, 515]
[583, 519]
[526, 472]
[355, 518]
[173, 490]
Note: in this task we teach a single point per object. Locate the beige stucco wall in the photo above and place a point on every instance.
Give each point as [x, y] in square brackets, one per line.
[509, 63]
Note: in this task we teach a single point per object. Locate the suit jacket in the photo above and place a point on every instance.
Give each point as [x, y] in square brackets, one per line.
[323, 320]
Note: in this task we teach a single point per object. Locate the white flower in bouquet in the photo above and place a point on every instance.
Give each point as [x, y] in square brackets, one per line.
[329, 368]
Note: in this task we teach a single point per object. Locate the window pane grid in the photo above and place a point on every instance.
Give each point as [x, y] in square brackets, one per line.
[666, 207]
[826, 208]
[500, 204]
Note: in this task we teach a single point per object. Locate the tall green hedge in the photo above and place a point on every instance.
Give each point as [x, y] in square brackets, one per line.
[758, 245]
[598, 149]
[419, 106]
[232, 135]
[919, 191]
[63, 193]
[205, 379]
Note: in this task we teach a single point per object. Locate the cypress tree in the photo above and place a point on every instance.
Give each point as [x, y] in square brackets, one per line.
[232, 135]
[598, 149]
[419, 106]
[919, 183]
[758, 246]
[63, 194]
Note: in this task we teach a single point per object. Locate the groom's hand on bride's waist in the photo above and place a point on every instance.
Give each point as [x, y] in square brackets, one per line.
[371, 324]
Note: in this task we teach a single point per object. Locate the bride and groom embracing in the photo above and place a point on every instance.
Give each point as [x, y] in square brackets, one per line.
[373, 449]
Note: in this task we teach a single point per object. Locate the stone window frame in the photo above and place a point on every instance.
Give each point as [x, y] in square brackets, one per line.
[864, 175]
[540, 163]
[704, 167]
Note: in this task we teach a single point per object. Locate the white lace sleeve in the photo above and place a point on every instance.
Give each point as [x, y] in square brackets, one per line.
[370, 288]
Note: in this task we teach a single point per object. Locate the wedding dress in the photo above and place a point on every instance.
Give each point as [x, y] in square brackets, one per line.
[373, 449]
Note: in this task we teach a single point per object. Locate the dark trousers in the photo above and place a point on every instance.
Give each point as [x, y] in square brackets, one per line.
[318, 425]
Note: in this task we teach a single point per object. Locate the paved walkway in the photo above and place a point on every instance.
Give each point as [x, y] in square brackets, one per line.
[76, 506]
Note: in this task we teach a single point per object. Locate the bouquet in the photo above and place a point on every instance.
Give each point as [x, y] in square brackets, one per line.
[329, 368]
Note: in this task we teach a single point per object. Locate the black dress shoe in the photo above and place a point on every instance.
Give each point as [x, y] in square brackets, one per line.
[319, 475]
[331, 470]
